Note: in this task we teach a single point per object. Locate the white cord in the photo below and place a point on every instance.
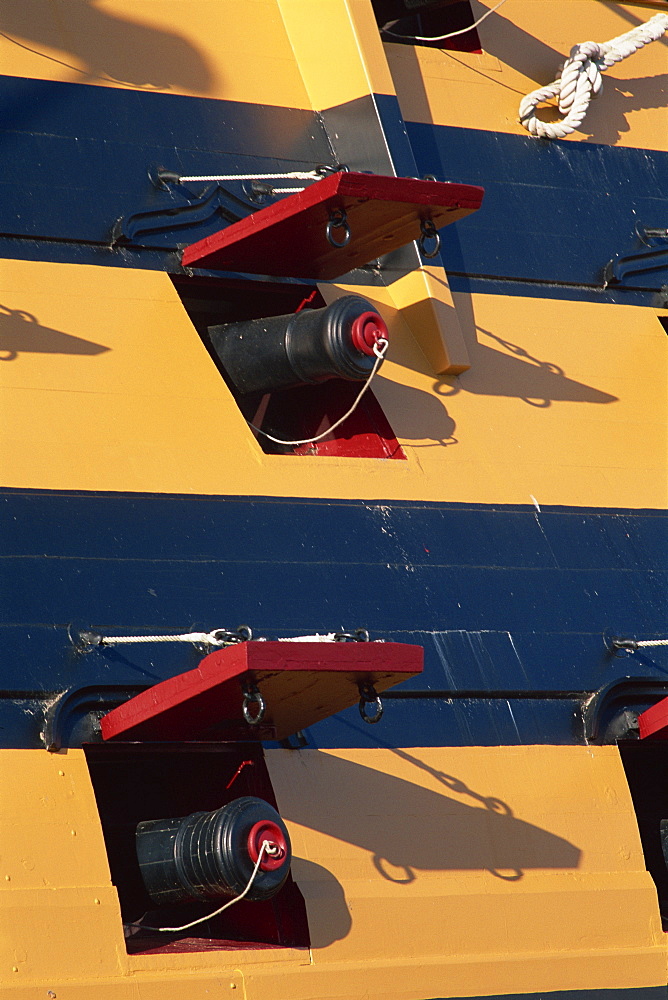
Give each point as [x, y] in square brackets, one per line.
[442, 38]
[652, 642]
[208, 638]
[379, 351]
[266, 847]
[297, 175]
[580, 79]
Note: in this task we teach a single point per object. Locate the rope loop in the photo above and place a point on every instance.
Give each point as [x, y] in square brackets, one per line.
[580, 79]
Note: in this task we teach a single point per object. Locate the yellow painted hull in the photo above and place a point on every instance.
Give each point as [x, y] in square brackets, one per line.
[427, 871]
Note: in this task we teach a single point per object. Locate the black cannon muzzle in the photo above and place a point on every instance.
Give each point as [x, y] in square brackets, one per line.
[305, 347]
[211, 854]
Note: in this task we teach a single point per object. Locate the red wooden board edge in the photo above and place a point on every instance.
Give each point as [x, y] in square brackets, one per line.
[654, 721]
[425, 194]
[226, 667]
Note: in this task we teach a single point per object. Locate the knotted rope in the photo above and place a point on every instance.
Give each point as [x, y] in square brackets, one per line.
[580, 78]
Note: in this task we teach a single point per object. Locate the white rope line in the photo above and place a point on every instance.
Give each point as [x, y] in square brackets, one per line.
[379, 351]
[266, 847]
[209, 638]
[296, 175]
[442, 38]
[580, 78]
[631, 645]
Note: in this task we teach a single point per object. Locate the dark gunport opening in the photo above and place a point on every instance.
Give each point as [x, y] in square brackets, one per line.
[300, 411]
[646, 766]
[138, 783]
[400, 21]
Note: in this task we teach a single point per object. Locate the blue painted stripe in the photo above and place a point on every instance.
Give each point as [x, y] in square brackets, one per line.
[554, 212]
[545, 290]
[510, 606]
[76, 158]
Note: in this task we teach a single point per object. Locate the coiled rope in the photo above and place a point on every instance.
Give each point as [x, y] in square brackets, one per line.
[379, 349]
[580, 78]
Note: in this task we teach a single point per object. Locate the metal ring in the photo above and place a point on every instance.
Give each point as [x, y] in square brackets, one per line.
[243, 634]
[359, 635]
[428, 231]
[222, 635]
[253, 695]
[628, 645]
[369, 696]
[338, 220]
[326, 169]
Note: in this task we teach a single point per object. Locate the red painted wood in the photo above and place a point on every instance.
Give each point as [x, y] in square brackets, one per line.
[306, 411]
[301, 682]
[289, 238]
[653, 723]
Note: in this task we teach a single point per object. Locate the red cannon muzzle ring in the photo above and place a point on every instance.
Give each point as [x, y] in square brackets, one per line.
[366, 330]
[272, 833]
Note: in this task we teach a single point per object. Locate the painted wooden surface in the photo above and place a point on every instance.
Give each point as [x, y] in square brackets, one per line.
[530, 402]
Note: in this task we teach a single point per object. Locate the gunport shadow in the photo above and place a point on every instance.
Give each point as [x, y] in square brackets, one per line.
[21, 333]
[108, 47]
[381, 814]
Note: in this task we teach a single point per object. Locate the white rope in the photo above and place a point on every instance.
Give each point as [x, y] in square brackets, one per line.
[329, 637]
[442, 38]
[297, 175]
[379, 351]
[266, 847]
[631, 645]
[580, 78]
[208, 638]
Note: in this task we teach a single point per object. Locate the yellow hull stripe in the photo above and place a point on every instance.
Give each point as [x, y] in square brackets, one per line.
[426, 872]
[523, 47]
[107, 386]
